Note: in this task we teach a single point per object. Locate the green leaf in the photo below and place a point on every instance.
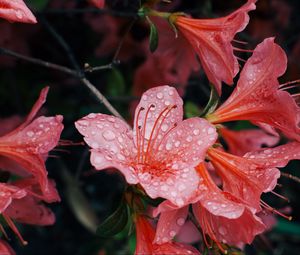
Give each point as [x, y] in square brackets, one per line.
[116, 83]
[191, 110]
[212, 102]
[153, 39]
[115, 223]
[38, 5]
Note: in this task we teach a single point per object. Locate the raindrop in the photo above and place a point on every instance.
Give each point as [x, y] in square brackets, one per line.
[109, 135]
[180, 221]
[159, 95]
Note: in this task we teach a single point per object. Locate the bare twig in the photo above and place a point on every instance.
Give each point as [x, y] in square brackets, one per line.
[38, 62]
[72, 72]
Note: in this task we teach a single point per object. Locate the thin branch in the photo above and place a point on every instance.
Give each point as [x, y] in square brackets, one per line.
[63, 69]
[89, 10]
[63, 44]
[38, 62]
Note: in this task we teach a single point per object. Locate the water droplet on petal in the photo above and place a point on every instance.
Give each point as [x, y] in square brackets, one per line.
[159, 95]
[19, 14]
[109, 135]
[172, 233]
[30, 133]
[196, 131]
[210, 131]
[168, 146]
[164, 127]
[180, 221]
[222, 230]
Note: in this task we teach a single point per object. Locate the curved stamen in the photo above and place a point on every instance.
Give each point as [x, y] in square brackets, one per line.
[151, 143]
[138, 132]
[280, 196]
[289, 83]
[142, 137]
[242, 50]
[271, 209]
[240, 42]
[14, 229]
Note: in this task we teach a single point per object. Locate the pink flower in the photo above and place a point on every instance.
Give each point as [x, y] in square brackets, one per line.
[144, 242]
[255, 173]
[16, 11]
[223, 217]
[243, 141]
[162, 150]
[98, 3]
[28, 146]
[211, 39]
[258, 96]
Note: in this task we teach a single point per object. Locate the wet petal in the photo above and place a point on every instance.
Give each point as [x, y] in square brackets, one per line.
[231, 231]
[187, 143]
[245, 179]
[111, 142]
[16, 11]
[211, 39]
[159, 110]
[5, 249]
[169, 224]
[275, 157]
[257, 96]
[39, 137]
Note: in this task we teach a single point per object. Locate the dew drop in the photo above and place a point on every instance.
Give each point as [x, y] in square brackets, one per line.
[210, 131]
[168, 146]
[180, 221]
[222, 230]
[196, 131]
[109, 135]
[159, 95]
[19, 14]
[164, 127]
[172, 233]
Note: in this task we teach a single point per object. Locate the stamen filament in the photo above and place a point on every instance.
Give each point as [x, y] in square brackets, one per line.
[14, 229]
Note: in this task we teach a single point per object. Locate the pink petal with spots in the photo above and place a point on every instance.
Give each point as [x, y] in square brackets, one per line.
[275, 157]
[189, 233]
[16, 11]
[8, 193]
[257, 96]
[159, 110]
[29, 210]
[211, 39]
[39, 137]
[234, 231]
[246, 179]
[243, 141]
[169, 224]
[111, 142]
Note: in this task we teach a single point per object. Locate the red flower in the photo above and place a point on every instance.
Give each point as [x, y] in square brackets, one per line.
[211, 39]
[28, 146]
[257, 96]
[16, 11]
[162, 150]
[144, 242]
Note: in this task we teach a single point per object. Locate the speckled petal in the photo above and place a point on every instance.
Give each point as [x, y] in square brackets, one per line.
[111, 142]
[169, 224]
[159, 110]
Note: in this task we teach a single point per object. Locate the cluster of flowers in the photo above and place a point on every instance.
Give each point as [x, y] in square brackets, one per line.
[167, 157]
[182, 160]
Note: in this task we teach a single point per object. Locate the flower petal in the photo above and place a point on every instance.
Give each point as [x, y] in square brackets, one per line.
[187, 143]
[231, 231]
[169, 224]
[8, 194]
[257, 96]
[159, 110]
[244, 178]
[29, 210]
[211, 39]
[275, 157]
[16, 11]
[111, 142]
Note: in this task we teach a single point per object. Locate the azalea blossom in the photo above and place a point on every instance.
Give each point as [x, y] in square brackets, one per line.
[258, 97]
[161, 151]
[211, 39]
[144, 241]
[222, 216]
[16, 11]
[26, 147]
